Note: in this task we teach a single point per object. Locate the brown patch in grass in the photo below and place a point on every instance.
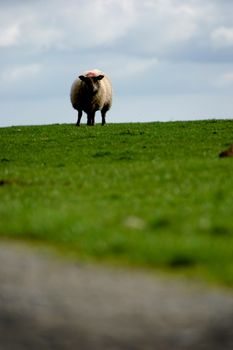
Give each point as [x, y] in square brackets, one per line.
[227, 153]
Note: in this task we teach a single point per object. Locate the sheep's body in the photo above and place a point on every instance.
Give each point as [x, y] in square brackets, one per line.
[91, 92]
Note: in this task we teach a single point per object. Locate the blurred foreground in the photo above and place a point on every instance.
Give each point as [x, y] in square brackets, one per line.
[46, 303]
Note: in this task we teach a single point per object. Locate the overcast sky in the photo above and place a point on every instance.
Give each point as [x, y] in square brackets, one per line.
[168, 59]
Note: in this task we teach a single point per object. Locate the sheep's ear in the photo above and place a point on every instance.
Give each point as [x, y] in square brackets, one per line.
[82, 77]
[101, 76]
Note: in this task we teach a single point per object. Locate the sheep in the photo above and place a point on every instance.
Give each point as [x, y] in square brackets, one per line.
[90, 93]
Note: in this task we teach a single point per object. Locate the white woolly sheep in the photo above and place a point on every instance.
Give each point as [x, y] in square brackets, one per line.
[90, 93]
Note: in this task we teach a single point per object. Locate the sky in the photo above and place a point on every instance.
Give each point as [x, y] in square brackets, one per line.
[167, 59]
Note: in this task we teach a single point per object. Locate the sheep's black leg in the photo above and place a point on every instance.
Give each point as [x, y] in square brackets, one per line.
[79, 117]
[103, 114]
[91, 118]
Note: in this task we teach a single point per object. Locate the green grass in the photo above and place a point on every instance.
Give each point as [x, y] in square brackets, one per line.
[152, 195]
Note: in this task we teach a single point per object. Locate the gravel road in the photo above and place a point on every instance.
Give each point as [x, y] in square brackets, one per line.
[46, 303]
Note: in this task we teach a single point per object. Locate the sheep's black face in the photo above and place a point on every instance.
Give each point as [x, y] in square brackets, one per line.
[92, 83]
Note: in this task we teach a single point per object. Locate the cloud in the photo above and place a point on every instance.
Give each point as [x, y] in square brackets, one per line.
[55, 24]
[124, 67]
[225, 80]
[171, 29]
[9, 35]
[163, 28]
[28, 26]
[101, 22]
[223, 37]
[87, 24]
[20, 73]
[176, 21]
[22, 80]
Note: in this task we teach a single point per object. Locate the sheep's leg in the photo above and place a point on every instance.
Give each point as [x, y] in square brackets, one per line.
[91, 118]
[103, 114]
[79, 117]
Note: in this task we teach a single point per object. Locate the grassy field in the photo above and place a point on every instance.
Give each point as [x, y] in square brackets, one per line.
[152, 195]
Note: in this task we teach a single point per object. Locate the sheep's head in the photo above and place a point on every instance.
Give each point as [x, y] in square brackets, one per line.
[92, 82]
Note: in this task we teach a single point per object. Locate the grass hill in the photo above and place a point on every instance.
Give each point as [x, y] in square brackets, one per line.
[151, 195]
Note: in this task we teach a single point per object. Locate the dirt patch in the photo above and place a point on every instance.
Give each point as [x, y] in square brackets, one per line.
[227, 153]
